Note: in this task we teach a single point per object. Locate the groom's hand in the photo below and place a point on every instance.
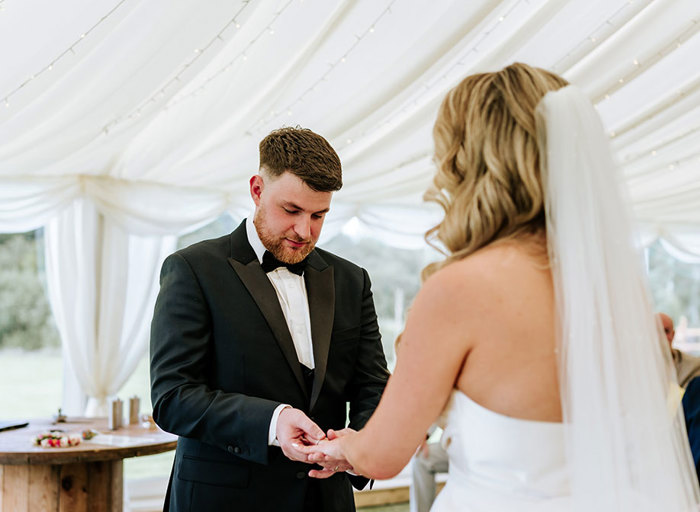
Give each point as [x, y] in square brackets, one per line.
[329, 455]
[294, 431]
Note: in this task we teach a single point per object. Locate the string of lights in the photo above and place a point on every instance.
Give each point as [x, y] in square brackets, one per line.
[428, 91]
[606, 29]
[690, 186]
[288, 109]
[689, 94]
[198, 52]
[242, 55]
[68, 51]
[599, 35]
[661, 146]
[639, 67]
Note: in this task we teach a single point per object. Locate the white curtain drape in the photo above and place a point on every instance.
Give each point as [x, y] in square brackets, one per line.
[683, 243]
[102, 289]
[27, 203]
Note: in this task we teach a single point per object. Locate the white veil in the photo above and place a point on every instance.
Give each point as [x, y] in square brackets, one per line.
[626, 441]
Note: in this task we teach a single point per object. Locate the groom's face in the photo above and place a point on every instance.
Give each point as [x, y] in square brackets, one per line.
[288, 215]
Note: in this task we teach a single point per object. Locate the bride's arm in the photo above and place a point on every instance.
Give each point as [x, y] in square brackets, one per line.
[433, 348]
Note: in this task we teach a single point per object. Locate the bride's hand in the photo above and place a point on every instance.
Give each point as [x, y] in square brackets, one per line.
[329, 454]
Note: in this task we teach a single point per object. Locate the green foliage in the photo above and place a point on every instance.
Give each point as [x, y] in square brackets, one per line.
[395, 276]
[25, 316]
[390, 269]
[675, 285]
[223, 225]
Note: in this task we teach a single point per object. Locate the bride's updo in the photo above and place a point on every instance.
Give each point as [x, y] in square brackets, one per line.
[488, 172]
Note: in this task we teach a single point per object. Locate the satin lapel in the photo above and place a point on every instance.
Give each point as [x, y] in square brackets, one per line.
[264, 295]
[320, 289]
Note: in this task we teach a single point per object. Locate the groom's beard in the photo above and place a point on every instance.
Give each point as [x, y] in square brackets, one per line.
[275, 243]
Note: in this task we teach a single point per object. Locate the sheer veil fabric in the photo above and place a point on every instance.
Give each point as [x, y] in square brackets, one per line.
[626, 443]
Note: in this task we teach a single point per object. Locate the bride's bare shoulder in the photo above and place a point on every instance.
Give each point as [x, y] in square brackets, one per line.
[490, 272]
[495, 261]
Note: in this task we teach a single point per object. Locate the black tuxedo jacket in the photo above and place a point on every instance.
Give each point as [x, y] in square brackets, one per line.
[222, 359]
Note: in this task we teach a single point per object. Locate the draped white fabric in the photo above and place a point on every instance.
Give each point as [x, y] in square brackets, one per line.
[152, 110]
[626, 444]
[178, 94]
[101, 289]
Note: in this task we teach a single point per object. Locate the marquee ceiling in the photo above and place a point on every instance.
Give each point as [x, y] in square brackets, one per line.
[141, 96]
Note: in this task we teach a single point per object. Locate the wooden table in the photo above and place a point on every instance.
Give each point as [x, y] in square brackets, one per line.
[83, 478]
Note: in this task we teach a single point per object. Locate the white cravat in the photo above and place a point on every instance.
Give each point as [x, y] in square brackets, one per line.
[291, 292]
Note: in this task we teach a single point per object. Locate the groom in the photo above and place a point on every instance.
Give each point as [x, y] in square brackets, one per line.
[259, 343]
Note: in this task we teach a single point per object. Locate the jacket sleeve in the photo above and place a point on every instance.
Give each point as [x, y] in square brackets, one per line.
[371, 373]
[181, 346]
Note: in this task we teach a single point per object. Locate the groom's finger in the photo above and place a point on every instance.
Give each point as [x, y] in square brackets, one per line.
[311, 453]
[310, 429]
[294, 452]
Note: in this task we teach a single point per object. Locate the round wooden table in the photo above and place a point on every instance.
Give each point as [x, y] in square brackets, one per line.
[83, 478]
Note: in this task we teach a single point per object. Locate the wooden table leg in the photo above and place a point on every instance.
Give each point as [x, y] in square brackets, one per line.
[43, 492]
[106, 486]
[14, 489]
[79, 487]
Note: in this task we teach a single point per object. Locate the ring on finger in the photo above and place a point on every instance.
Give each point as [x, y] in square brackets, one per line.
[335, 468]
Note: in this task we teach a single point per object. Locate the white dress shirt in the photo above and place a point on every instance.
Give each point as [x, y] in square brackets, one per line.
[291, 292]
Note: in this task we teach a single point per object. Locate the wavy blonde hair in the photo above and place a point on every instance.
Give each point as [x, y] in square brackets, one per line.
[488, 163]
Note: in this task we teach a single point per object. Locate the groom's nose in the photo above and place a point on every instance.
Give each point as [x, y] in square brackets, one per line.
[302, 227]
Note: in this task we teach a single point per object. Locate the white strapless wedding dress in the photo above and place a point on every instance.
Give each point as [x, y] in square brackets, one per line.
[498, 463]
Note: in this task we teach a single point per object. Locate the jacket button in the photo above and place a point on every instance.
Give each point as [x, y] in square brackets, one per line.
[236, 449]
[229, 448]
[301, 475]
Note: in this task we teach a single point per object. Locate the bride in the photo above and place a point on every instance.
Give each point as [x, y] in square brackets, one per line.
[536, 332]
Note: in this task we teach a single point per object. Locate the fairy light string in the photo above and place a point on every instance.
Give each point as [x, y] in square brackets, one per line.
[639, 67]
[198, 53]
[242, 55]
[436, 86]
[288, 109]
[68, 51]
[600, 34]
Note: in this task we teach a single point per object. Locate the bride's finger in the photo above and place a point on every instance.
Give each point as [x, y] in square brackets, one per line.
[323, 449]
[321, 473]
[336, 467]
[318, 457]
[314, 454]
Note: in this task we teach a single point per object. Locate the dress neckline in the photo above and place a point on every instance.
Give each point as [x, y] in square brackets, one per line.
[487, 411]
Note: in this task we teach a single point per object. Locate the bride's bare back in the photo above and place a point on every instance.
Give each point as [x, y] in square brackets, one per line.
[484, 325]
[511, 366]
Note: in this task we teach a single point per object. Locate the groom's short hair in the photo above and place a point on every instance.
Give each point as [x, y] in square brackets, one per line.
[303, 153]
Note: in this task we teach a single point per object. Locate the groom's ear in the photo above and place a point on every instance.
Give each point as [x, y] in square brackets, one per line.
[257, 184]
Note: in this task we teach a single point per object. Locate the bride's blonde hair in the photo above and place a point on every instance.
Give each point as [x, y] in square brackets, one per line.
[488, 164]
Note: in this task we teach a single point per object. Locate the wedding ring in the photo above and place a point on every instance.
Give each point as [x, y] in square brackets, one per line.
[317, 441]
[335, 469]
